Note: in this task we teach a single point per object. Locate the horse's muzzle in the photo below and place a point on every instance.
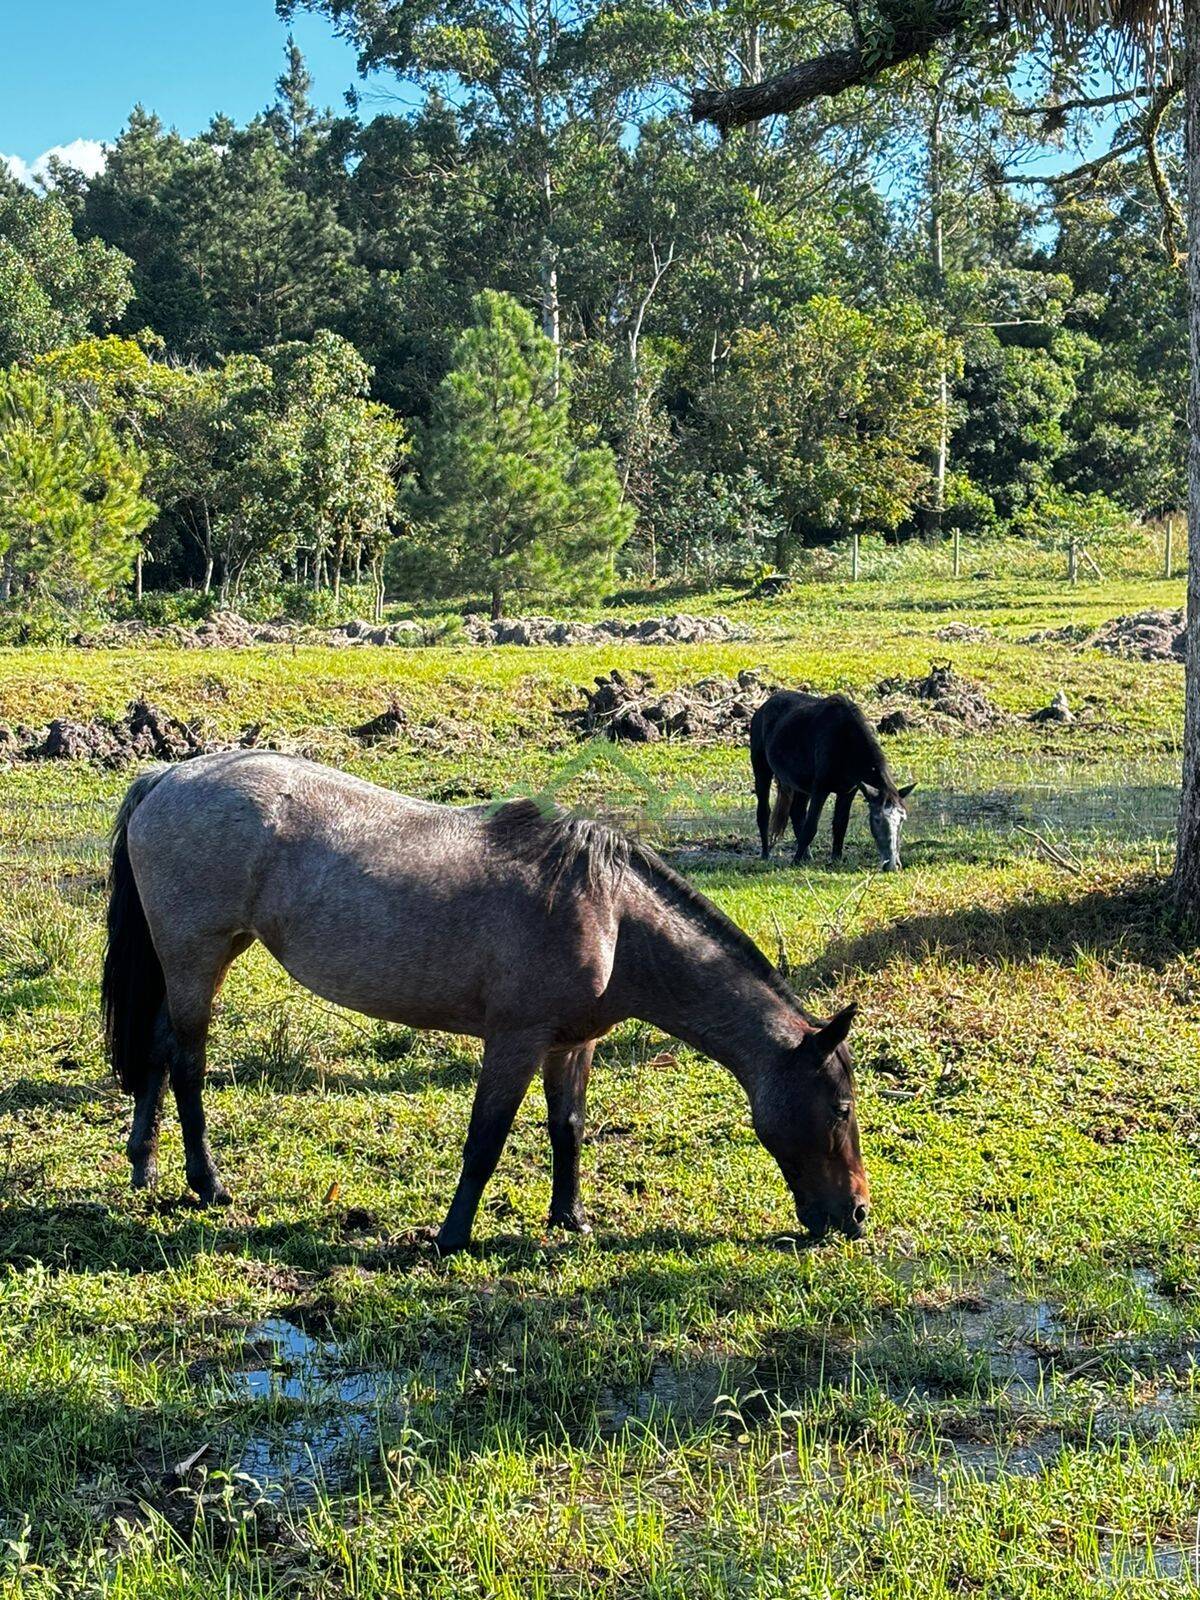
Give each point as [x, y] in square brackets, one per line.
[821, 1220]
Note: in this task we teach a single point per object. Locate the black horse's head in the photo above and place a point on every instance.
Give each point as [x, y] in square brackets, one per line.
[886, 813]
[804, 1114]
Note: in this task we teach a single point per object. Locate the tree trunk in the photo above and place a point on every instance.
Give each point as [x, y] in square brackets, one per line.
[137, 576]
[1187, 850]
[929, 517]
[497, 600]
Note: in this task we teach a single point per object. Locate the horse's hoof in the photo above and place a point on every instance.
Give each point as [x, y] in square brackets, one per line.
[213, 1194]
[449, 1244]
[143, 1177]
[573, 1221]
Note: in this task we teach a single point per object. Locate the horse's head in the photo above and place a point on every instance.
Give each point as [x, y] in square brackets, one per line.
[803, 1110]
[886, 813]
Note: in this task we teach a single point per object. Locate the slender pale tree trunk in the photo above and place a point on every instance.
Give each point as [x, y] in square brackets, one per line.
[1187, 853]
[930, 516]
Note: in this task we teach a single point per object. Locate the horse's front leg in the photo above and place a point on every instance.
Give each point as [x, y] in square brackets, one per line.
[565, 1075]
[509, 1063]
[841, 819]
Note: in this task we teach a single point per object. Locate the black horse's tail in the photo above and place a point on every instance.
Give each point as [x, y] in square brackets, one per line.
[781, 810]
[132, 986]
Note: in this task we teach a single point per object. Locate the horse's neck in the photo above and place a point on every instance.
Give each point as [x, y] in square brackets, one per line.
[681, 975]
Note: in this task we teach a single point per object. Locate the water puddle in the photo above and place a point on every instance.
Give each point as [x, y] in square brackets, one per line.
[317, 1418]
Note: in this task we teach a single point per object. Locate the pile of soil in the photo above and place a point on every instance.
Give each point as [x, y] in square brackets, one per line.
[775, 583]
[226, 630]
[677, 629]
[1142, 636]
[630, 708]
[1057, 711]
[963, 633]
[940, 700]
[443, 734]
[144, 733]
[385, 726]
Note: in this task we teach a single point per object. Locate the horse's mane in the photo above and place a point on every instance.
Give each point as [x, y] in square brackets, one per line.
[867, 730]
[563, 846]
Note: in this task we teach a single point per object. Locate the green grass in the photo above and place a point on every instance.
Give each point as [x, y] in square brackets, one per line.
[995, 1393]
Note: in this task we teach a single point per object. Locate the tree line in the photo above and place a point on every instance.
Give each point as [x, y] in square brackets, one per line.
[542, 326]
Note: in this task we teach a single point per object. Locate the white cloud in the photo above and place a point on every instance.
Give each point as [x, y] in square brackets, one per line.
[88, 155]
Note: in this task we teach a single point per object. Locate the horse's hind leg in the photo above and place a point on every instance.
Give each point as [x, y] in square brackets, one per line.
[509, 1063]
[142, 1148]
[565, 1075]
[806, 823]
[181, 1041]
[762, 794]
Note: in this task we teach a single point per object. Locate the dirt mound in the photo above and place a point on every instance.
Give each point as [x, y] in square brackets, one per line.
[963, 633]
[385, 726]
[630, 708]
[1057, 711]
[940, 700]
[677, 629]
[144, 733]
[443, 734]
[1141, 636]
[226, 630]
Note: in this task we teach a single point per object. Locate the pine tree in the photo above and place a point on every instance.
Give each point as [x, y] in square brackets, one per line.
[71, 506]
[511, 501]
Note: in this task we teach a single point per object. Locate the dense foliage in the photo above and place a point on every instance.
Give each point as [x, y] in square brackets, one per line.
[859, 322]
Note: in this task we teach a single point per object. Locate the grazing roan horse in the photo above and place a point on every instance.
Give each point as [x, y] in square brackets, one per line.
[537, 933]
[814, 747]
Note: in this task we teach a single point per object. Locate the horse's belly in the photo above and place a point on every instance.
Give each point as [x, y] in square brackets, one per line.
[395, 986]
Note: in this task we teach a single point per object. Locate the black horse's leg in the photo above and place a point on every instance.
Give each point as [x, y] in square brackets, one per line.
[509, 1063]
[807, 829]
[841, 817]
[142, 1148]
[796, 817]
[762, 793]
[565, 1075]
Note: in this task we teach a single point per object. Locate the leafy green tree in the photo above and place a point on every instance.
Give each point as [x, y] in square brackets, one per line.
[53, 289]
[343, 453]
[71, 502]
[511, 501]
[833, 409]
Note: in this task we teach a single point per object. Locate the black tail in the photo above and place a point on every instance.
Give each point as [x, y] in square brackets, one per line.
[132, 987]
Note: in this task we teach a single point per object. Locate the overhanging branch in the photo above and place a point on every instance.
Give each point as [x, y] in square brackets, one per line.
[831, 73]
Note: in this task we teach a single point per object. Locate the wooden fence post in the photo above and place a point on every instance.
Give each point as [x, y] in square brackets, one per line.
[1169, 551]
[957, 551]
[854, 558]
[1072, 563]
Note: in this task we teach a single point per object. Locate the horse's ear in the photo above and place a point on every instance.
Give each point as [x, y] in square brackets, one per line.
[834, 1032]
[869, 791]
[907, 789]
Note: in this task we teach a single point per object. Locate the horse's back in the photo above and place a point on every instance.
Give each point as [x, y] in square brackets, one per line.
[812, 739]
[391, 906]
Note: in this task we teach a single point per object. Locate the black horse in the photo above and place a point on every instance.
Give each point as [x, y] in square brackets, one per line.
[814, 747]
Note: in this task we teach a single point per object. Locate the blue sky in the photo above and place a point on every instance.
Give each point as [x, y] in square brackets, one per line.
[71, 69]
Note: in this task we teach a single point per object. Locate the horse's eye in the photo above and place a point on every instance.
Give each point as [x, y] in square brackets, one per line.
[843, 1111]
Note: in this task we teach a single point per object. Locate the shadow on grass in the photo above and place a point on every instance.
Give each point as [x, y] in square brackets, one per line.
[1131, 923]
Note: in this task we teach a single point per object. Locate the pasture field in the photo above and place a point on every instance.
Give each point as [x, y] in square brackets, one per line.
[995, 1393]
